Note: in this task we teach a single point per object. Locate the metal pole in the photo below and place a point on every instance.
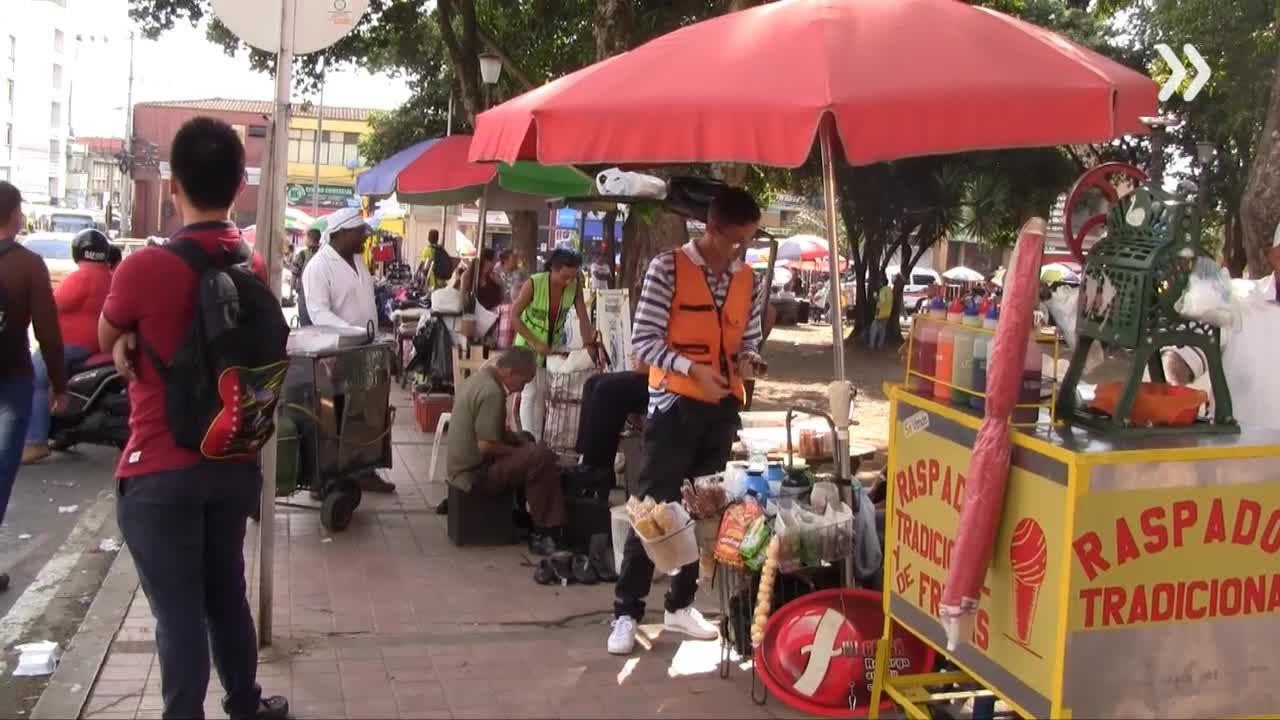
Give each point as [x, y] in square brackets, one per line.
[315, 190]
[483, 225]
[829, 199]
[270, 229]
[837, 306]
[126, 197]
[444, 211]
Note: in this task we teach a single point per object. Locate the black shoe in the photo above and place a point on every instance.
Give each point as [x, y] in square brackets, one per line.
[443, 507]
[541, 544]
[274, 707]
[4, 582]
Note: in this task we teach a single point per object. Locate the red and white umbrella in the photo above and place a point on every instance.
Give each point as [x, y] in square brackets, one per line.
[802, 248]
[694, 95]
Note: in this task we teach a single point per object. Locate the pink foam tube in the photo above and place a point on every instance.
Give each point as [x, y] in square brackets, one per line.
[989, 465]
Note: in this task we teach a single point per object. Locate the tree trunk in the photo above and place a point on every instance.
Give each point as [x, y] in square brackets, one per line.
[1234, 256]
[1260, 206]
[644, 240]
[524, 237]
[464, 50]
[612, 26]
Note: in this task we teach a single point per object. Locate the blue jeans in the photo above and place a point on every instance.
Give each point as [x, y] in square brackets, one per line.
[875, 337]
[15, 413]
[38, 431]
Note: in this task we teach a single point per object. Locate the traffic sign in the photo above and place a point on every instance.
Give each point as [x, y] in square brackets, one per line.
[317, 25]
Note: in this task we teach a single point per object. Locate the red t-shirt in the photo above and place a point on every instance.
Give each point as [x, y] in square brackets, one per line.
[153, 293]
[80, 297]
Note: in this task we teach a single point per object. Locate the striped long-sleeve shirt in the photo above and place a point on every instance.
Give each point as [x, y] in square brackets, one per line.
[653, 315]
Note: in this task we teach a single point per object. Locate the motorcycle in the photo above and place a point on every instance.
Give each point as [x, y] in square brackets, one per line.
[97, 409]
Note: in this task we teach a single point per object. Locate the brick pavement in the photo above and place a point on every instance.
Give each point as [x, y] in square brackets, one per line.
[389, 620]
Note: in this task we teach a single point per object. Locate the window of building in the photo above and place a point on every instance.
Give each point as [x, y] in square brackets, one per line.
[13, 53]
[10, 94]
[55, 154]
[302, 145]
[53, 189]
[55, 115]
[57, 77]
[8, 134]
[257, 131]
[59, 41]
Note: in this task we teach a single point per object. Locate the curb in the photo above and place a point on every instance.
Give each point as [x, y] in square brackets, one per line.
[68, 690]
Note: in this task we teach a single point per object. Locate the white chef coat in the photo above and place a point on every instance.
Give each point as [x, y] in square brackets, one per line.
[337, 294]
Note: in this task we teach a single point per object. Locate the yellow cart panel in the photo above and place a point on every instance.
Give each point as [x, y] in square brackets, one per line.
[1128, 578]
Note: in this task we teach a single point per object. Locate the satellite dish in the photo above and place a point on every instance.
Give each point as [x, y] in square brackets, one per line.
[317, 23]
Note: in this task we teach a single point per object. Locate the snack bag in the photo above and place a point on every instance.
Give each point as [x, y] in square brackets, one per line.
[754, 543]
[737, 518]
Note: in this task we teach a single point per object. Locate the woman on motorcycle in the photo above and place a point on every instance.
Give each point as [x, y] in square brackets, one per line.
[80, 297]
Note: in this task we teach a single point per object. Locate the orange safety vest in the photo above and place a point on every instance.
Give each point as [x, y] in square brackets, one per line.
[702, 333]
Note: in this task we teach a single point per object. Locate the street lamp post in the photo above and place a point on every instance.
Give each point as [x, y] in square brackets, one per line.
[490, 73]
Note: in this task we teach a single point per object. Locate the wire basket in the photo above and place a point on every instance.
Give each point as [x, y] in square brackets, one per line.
[821, 544]
[563, 405]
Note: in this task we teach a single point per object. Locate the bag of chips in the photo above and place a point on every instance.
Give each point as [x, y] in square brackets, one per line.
[733, 528]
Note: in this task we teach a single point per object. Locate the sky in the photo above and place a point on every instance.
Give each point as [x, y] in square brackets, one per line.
[181, 65]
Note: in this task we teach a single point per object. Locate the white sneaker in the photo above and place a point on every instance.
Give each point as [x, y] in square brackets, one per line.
[690, 622]
[622, 638]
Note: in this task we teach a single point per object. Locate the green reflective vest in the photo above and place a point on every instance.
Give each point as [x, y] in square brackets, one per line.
[535, 315]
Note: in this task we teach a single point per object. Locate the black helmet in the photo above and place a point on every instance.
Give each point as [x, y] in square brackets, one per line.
[114, 255]
[90, 246]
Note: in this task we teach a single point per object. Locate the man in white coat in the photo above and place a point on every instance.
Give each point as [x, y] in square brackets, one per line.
[336, 283]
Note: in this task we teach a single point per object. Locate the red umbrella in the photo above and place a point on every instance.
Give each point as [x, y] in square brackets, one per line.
[989, 463]
[887, 78]
[803, 247]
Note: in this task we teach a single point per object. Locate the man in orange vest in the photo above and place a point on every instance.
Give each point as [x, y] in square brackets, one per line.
[698, 327]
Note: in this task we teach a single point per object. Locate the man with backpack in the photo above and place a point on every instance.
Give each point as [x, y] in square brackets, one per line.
[437, 263]
[26, 299]
[202, 340]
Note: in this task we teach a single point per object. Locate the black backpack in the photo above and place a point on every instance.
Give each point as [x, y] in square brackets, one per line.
[442, 264]
[227, 376]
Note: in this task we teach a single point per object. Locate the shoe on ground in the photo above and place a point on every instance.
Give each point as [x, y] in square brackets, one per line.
[34, 453]
[373, 483]
[274, 707]
[622, 636]
[541, 544]
[4, 582]
[690, 622]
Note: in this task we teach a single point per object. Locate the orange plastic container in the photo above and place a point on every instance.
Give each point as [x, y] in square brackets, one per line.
[1156, 403]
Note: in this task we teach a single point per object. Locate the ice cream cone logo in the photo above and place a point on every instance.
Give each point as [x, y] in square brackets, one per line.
[1028, 556]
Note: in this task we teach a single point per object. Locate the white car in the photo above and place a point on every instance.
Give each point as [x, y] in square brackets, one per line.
[55, 248]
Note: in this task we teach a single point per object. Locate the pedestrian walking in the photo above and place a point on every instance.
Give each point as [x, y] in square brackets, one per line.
[26, 299]
[184, 503]
[698, 327]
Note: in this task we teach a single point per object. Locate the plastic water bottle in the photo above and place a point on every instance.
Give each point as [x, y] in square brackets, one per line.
[946, 352]
[981, 351]
[962, 355]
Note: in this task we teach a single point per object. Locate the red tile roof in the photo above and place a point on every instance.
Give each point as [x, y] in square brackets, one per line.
[263, 107]
[108, 146]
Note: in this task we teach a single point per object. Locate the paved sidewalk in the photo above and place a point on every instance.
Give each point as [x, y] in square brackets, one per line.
[389, 620]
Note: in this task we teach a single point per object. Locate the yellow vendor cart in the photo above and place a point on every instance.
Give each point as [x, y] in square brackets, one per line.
[1130, 577]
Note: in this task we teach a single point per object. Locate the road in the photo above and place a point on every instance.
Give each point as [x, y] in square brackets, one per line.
[52, 546]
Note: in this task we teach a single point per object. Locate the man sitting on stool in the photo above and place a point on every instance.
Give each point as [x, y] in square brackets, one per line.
[484, 457]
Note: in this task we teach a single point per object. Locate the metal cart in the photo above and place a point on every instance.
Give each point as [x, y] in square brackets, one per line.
[340, 401]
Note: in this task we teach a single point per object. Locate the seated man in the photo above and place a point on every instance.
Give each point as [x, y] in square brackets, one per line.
[485, 457]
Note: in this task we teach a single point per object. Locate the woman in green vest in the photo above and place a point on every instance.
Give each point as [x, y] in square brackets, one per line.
[538, 315]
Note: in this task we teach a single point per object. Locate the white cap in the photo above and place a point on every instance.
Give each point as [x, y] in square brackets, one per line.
[344, 219]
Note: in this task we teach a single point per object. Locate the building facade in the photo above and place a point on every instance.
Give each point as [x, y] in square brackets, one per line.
[155, 123]
[36, 54]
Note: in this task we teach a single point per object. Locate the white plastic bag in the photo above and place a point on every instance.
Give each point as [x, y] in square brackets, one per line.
[1208, 297]
[446, 300]
[1064, 306]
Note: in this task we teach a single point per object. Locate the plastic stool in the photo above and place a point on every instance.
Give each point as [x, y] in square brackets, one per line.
[442, 427]
[477, 519]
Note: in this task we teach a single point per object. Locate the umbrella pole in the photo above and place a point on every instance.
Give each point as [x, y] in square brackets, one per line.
[833, 245]
[484, 227]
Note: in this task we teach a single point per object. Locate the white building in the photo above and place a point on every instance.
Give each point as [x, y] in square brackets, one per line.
[36, 54]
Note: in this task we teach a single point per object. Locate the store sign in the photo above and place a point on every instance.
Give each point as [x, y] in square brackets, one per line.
[1142, 558]
[818, 654]
[331, 196]
[1018, 610]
